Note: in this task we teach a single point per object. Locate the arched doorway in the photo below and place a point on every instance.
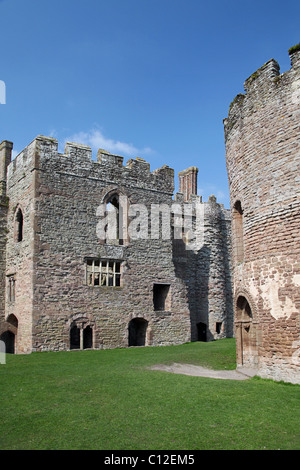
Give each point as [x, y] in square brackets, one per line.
[137, 330]
[246, 334]
[9, 336]
[9, 340]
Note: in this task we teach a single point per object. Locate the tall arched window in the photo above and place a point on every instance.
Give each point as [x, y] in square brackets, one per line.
[114, 235]
[19, 225]
[238, 232]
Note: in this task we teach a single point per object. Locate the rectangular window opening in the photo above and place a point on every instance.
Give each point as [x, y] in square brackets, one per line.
[11, 288]
[103, 273]
[161, 296]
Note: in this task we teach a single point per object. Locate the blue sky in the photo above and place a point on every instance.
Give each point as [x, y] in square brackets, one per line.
[147, 78]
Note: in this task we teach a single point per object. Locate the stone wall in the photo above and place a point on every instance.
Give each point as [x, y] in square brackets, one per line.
[206, 269]
[263, 161]
[59, 303]
[5, 158]
[20, 253]
[70, 189]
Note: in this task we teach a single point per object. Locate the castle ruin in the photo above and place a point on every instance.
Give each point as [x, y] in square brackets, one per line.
[263, 162]
[160, 277]
[95, 254]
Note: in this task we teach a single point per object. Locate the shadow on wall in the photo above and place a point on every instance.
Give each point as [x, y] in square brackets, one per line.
[187, 265]
[206, 274]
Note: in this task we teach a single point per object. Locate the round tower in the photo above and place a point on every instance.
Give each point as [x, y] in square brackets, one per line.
[262, 142]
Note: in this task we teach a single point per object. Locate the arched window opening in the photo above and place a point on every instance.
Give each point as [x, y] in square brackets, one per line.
[137, 330]
[87, 337]
[19, 225]
[238, 231]
[12, 319]
[218, 327]
[74, 337]
[81, 336]
[243, 310]
[115, 216]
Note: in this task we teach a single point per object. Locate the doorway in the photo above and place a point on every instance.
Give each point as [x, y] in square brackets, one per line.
[137, 330]
[9, 340]
[246, 335]
[201, 331]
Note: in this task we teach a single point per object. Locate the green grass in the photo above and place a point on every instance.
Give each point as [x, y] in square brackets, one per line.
[294, 48]
[109, 400]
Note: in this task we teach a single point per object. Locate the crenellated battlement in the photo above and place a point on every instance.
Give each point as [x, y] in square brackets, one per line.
[78, 158]
[107, 158]
[80, 151]
[42, 153]
[260, 78]
[263, 87]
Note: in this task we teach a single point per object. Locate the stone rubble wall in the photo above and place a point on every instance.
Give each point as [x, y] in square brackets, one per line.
[59, 195]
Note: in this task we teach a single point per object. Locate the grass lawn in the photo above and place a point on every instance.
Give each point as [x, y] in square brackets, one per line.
[109, 400]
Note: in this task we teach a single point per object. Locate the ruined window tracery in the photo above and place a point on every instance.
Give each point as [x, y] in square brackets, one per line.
[81, 336]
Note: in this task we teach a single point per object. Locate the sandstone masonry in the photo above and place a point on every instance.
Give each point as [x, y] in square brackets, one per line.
[263, 161]
[65, 288]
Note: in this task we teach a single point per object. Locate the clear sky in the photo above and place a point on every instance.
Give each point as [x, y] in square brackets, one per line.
[147, 78]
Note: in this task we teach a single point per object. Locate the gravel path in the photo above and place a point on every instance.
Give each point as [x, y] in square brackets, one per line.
[198, 371]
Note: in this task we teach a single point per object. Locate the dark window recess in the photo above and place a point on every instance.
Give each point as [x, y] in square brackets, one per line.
[160, 294]
[19, 222]
[137, 330]
[238, 231]
[87, 337]
[9, 339]
[201, 330]
[112, 204]
[80, 337]
[218, 327]
[74, 337]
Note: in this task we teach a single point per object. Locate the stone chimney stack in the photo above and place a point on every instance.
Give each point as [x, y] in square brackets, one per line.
[188, 182]
[5, 159]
